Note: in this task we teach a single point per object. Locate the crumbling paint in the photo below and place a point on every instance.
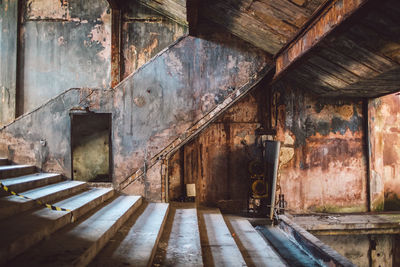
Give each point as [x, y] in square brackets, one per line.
[384, 128]
[64, 44]
[8, 59]
[144, 34]
[47, 9]
[171, 104]
[322, 162]
[217, 159]
[172, 86]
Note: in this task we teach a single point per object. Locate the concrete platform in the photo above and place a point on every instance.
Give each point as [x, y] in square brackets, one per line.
[28, 228]
[254, 248]
[218, 246]
[78, 244]
[12, 205]
[26, 182]
[339, 224]
[136, 242]
[180, 242]
[10, 171]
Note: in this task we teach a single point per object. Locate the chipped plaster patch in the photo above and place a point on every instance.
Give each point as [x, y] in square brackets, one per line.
[174, 63]
[101, 34]
[47, 9]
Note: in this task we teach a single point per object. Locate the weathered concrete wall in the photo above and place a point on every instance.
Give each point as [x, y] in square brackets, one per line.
[322, 162]
[8, 59]
[384, 128]
[168, 95]
[365, 250]
[42, 138]
[150, 109]
[64, 44]
[144, 34]
[217, 160]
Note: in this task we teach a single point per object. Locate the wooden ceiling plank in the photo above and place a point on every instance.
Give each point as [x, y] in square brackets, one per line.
[244, 26]
[268, 17]
[312, 78]
[375, 42]
[324, 75]
[170, 8]
[346, 61]
[285, 10]
[334, 69]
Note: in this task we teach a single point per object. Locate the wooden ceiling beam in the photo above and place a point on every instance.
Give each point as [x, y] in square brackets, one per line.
[333, 16]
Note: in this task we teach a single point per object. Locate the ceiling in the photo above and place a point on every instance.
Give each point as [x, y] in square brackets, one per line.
[360, 60]
[267, 24]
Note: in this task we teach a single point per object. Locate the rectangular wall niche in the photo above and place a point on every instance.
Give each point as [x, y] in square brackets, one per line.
[91, 147]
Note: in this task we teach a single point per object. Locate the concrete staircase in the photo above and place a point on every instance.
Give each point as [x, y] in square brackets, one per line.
[103, 228]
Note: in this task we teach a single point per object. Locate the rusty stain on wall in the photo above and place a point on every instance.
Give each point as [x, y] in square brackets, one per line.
[171, 104]
[384, 128]
[144, 34]
[322, 164]
[64, 44]
[8, 60]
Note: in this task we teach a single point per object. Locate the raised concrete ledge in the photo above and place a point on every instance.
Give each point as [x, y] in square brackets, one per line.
[318, 248]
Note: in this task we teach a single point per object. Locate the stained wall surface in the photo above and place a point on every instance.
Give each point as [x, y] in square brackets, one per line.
[150, 109]
[217, 161]
[64, 44]
[8, 59]
[144, 34]
[384, 128]
[322, 163]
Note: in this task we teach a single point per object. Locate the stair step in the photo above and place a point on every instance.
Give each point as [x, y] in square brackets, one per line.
[12, 205]
[136, 242]
[78, 245]
[218, 246]
[180, 242]
[3, 161]
[10, 171]
[26, 182]
[255, 249]
[28, 228]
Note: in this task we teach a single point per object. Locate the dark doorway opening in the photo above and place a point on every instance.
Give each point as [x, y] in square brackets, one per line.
[91, 147]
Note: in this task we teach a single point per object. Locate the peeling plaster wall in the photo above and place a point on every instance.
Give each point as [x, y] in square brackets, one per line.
[150, 109]
[144, 34]
[384, 128]
[167, 96]
[217, 161]
[8, 59]
[322, 162]
[42, 138]
[64, 44]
